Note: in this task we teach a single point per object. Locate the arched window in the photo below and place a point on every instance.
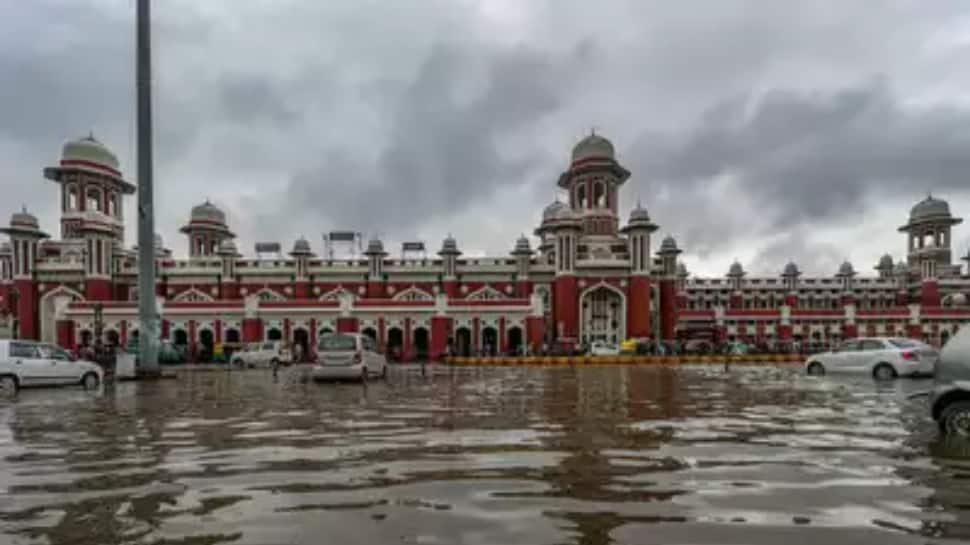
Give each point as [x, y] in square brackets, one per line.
[581, 196]
[93, 199]
[599, 194]
[72, 203]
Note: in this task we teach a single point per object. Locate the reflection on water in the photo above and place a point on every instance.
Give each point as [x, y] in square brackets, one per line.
[483, 456]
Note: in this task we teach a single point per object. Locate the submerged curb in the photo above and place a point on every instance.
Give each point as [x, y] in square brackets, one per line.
[763, 359]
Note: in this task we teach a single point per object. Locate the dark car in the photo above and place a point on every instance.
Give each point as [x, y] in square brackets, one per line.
[950, 398]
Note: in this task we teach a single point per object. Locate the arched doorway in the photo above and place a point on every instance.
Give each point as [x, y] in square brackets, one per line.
[395, 343]
[944, 336]
[53, 305]
[230, 343]
[324, 331]
[422, 343]
[463, 342]
[232, 336]
[514, 335]
[180, 337]
[489, 341]
[301, 345]
[603, 315]
[111, 338]
[86, 337]
[206, 345]
[274, 334]
[370, 332]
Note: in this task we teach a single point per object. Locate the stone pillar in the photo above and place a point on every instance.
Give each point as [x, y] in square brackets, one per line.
[252, 330]
[217, 334]
[346, 324]
[193, 344]
[668, 309]
[123, 333]
[565, 307]
[440, 328]
[286, 330]
[638, 308]
[408, 344]
[65, 334]
[502, 341]
[476, 336]
[381, 334]
[312, 349]
[534, 329]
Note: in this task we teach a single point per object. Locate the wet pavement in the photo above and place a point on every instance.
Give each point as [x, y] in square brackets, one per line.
[501, 456]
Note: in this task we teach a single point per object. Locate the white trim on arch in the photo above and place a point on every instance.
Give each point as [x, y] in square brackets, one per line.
[266, 294]
[193, 295]
[486, 293]
[335, 294]
[413, 294]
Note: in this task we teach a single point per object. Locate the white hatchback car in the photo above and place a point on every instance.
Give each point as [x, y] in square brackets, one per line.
[29, 363]
[883, 358]
[603, 348]
[348, 356]
[264, 354]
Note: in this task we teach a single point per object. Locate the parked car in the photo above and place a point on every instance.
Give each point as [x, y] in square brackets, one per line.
[168, 353]
[28, 363]
[950, 398]
[603, 348]
[264, 354]
[348, 356]
[883, 358]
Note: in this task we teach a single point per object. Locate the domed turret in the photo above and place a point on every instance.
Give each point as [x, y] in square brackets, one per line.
[929, 208]
[375, 247]
[846, 269]
[958, 300]
[902, 269]
[301, 246]
[736, 269]
[228, 248]
[522, 246]
[449, 246]
[208, 212]
[682, 270]
[206, 229]
[6, 248]
[791, 270]
[24, 224]
[88, 151]
[668, 245]
[885, 262]
[593, 146]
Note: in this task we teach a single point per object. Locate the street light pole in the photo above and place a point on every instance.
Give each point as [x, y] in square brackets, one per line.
[147, 308]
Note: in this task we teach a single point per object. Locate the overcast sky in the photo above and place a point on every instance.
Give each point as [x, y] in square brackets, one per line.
[757, 130]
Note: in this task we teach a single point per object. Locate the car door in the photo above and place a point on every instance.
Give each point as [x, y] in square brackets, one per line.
[871, 352]
[842, 359]
[60, 368]
[29, 365]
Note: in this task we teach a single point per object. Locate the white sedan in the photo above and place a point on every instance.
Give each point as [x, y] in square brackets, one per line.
[602, 348]
[882, 358]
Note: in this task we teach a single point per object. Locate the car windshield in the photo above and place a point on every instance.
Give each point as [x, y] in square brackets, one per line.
[904, 343]
[338, 342]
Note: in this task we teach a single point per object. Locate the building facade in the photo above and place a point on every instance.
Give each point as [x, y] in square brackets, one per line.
[589, 277]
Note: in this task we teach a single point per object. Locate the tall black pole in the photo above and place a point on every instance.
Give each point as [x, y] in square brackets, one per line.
[147, 308]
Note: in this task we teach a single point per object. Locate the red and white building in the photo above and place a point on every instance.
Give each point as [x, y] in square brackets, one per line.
[589, 278]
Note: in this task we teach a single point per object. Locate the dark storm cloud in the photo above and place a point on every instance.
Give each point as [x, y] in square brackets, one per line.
[444, 151]
[806, 158]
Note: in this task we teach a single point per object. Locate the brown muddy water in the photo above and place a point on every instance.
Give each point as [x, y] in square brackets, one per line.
[501, 456]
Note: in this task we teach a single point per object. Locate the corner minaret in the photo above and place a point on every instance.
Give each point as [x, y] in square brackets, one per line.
[668, 288]
[206, 230]
[25, 236]
[638, 231]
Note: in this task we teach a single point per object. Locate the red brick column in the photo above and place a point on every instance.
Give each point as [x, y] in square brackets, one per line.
[566, 307]
[440, 326]
[65, 334]
[929, 294]
[503, 344]
[668, 309]
[638, 308]
[535, 328]
[408, 356]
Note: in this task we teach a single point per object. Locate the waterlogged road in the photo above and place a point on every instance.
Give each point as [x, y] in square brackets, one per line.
[483, 456]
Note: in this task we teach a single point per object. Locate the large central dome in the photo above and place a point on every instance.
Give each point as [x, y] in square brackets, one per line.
[593, 146]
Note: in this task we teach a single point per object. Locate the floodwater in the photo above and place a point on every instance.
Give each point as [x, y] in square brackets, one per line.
[625, 455]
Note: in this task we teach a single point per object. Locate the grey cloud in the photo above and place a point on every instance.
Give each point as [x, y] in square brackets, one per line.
[808, 158]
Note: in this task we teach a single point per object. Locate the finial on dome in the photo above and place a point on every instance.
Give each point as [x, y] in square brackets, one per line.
[23, 208]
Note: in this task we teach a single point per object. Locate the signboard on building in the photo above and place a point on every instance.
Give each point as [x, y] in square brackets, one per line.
[268, 247]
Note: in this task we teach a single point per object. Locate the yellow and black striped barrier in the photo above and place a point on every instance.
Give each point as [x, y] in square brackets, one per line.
[708, 359]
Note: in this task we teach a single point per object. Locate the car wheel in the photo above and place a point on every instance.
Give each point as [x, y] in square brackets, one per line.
[955, 419]
[816, 369]
[9, 385]
[90, 381]
[884, 371]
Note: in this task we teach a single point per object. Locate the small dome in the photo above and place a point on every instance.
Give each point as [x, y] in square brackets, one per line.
[791, 269]
[846, 269]
[208, 212]
[958, 300]
[6, 249]
[159, 242]
[522, 246]
[885, 262]
[901, 268]
[228, 247]
[668, 245]
[24, 220]
[736, 269]
[375, 246]
[301, 246]
[639, 214]
[553, 210]
[90, 150]
[449, 246]
[593, 145]
[682, 269]
[928, 209]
